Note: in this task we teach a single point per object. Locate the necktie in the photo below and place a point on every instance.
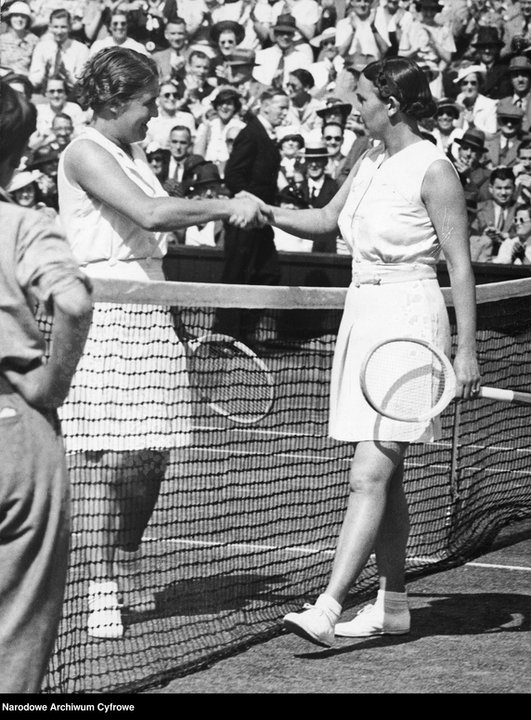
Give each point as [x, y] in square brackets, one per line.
[313, 193]
[501, 220]
[278, 78]
[178, 168]
[58, 62]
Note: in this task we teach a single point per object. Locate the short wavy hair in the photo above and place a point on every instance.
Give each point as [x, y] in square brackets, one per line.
[114, 74]
[403, 79]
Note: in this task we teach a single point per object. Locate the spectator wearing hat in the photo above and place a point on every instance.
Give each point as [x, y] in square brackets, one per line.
[306, 14]
[159, 161]
[57, 54]
[502, 148]
[488, 44]
[445, 130]
[241, 66]
[318, 188]
[204, 182]
[494, 219]
[427, 40]
[46, 162]
[118, 35]
[478, 110]
[472, 173]
[171, 62]
[291, 146]
[358, 38]
[25, 191]
[225, 36]
[337, 111]
[211, 137]
[519, 72]
[18, 42]
[329, 62]
[275, 63]
[172, 111]
[255, 17]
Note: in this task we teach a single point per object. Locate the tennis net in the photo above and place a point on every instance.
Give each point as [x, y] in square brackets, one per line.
[245, 525]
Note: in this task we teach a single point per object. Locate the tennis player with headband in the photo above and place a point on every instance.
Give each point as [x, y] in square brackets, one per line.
[126, 408]
[401, 203]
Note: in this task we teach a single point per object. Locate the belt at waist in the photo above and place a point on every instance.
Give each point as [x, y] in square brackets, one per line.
[367, 277]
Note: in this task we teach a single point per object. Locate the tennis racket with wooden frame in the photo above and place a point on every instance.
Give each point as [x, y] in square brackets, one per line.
[411, 380]
[227, 375]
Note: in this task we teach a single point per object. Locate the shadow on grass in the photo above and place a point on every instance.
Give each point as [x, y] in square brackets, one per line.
[457, 614]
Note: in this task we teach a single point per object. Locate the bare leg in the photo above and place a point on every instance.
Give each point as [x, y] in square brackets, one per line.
[392, 537]
[373, 472]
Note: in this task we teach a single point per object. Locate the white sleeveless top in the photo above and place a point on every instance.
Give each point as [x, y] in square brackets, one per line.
[384, 221]
[97, 233]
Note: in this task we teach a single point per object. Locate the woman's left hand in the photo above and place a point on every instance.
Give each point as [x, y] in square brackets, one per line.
[466, 370]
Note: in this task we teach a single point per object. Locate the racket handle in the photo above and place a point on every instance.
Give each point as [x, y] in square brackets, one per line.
[513, 396]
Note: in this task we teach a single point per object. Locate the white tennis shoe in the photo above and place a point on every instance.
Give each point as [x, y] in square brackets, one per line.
[373, 620]
[105, 619]
[314, 623]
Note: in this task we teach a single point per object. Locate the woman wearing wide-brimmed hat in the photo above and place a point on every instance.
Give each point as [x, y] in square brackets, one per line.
[478, 110]
[18, 42]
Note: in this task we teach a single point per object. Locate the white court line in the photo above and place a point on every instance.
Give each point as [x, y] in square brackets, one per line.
[500, 567]
[316, 551]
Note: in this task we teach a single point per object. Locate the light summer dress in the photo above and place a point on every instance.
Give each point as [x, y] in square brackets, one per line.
[130, 391]
[391, 238]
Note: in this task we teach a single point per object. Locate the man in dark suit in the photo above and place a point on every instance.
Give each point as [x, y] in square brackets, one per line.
[502, 149]
[519, 72]
[251, 257]
[494, 221]
[182, 160]
[318, 189]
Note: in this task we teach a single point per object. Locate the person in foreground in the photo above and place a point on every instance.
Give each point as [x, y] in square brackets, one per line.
[401, 205]
[36, 267]
[129, 403]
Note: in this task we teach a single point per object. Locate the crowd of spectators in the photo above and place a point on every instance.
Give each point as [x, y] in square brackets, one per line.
[217, 57]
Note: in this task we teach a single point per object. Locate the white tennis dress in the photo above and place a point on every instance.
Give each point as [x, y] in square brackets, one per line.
[130, 391]
[393, 242]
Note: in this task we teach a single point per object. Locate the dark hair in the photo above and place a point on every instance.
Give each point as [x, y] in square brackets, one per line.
[304, 77]
[501, 173]
[18, 120]
[174, 20]
[24, 80]
[60, 13]
[524, 145]
[270, 93]
[56, 78]
[181, 128]
[403, 79]
[62, 116]
[228, 95]
[114, 74]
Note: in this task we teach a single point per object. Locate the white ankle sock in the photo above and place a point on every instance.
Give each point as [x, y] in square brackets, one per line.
[393, 601]
[327, 602]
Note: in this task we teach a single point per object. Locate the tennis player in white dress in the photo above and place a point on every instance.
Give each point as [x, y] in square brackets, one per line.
[129, 403]
[401, 203]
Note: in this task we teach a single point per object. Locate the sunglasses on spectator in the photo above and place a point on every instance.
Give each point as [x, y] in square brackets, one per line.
[170, 95]
[509, 120]
[521, 220]
[118, 24]
[330, 138]
[469, 82]
[328, 43]
[56, 92]
[284, 33]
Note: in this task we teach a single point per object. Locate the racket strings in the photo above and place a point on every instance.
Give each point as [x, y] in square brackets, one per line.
[405, 380]
[235, 382]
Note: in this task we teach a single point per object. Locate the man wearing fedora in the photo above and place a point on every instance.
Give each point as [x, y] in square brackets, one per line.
[275, 63]
[306, 14]
[472, 173]
[517, 31]
[503, 147]
[488, 45]
[519, 72]
[204, 182]
[318, 189]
